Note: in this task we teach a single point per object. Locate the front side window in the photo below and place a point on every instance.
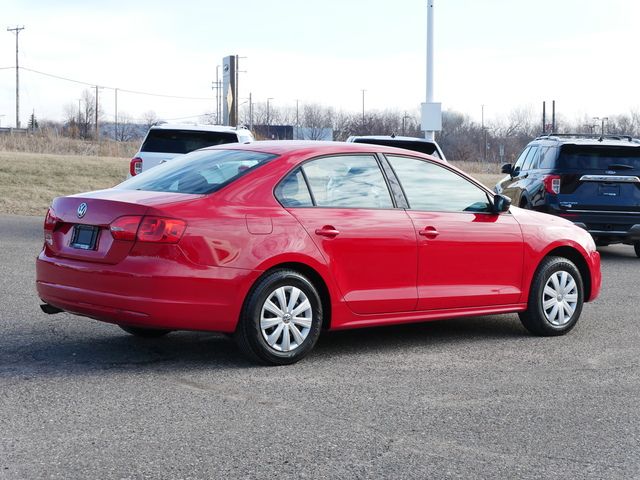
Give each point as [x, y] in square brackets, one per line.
[531, 157]
[198, 172]
[349, 181]
[521, 158]
[431, 187]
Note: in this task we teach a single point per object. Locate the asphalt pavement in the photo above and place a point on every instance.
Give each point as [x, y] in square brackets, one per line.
[471, 398]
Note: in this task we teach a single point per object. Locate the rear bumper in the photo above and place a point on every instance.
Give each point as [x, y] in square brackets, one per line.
[182, 297]
[612, 227]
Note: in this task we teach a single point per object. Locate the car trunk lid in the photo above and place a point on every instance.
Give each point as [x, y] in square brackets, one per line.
[600, 178]
[82, 221]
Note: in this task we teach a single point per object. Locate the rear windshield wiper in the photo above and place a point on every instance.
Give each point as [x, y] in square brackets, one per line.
[620, 166]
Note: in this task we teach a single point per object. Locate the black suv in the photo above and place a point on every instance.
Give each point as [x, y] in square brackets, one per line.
[594, 181]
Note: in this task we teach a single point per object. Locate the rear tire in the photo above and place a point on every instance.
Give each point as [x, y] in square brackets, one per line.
[555, 298]
[144, 332]
[281, 319]
[636, 247]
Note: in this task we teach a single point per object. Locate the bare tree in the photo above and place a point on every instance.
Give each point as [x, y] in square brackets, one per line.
[150, 119]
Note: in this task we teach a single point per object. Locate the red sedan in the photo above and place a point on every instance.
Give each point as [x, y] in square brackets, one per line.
[276, 241]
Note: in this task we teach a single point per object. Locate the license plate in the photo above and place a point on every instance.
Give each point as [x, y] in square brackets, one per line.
[84, 237]
[609, 190]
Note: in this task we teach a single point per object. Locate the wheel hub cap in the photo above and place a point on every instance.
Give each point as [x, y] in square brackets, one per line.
[286, 318]
[560, 298]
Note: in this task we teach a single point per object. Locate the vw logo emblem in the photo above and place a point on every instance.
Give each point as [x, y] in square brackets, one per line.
[82, 210]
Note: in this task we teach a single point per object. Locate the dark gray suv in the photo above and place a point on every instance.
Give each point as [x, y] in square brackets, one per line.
[592, 181]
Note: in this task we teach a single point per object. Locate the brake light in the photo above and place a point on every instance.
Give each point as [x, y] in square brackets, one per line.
[135, 166]
[162, 230]
[125, 228]
[50, 221]
[148, 229]
[552, 184]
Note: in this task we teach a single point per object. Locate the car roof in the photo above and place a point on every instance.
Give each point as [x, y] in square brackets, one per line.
[613, 140]
[196, 127]
[390, 137]
[310, 147]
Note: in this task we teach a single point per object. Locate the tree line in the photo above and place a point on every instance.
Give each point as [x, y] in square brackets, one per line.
[461, 137]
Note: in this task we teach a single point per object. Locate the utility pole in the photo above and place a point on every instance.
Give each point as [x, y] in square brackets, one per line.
[97, 131]
[17, 31]
[363, 121]
[297, 135]
[115, 133]
[250, 112]
[268, 119]
[484, 134]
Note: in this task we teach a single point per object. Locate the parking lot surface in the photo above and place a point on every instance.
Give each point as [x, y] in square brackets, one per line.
[471, 398]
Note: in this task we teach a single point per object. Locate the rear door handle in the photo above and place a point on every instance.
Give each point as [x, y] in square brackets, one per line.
[429, 232]
[327, 231]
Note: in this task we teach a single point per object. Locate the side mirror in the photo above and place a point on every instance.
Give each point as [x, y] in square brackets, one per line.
[507, 168]
[501, 203]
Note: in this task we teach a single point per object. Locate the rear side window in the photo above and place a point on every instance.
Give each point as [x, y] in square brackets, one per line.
[183, 141]
[596, 157]
[547, 158]
[293, 191]
[198, 172]
[349, 181]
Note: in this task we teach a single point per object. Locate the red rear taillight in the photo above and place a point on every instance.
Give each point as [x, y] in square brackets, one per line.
[49, 226]
[163, 230]
[125, 228]
[135, 166]
[552, 184]
[148, 229]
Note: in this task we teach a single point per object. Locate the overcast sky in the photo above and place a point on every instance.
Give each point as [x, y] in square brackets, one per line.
[501, 53]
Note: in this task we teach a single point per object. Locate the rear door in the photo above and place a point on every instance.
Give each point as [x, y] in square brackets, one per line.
[369, 244]
[467, 255]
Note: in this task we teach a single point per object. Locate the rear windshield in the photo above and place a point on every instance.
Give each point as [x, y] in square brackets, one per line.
[593, 157]
[184, 141]
[199, 172]
[422, 147]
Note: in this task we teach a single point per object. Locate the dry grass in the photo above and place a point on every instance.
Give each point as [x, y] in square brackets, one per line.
[29, 181]
[48, 141]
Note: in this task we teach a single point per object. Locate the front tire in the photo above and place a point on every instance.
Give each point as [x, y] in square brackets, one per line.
[555, 298]
[636, 247]
[281, 320]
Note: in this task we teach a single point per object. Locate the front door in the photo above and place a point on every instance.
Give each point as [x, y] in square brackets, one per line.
[467, 255]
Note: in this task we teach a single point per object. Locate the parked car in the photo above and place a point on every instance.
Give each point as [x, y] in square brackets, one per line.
[422, 145]
[166, 141]
[592, 181]
[274, 241]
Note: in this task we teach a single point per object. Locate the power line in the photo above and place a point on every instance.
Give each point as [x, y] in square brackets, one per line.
[135, 92]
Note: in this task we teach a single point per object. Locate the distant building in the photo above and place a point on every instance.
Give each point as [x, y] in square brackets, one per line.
[289, 132]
